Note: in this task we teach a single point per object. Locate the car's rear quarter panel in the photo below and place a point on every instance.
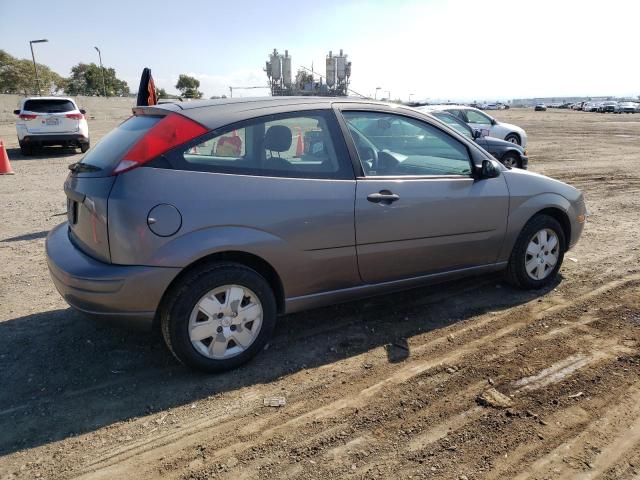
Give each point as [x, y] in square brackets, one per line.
[303, 228]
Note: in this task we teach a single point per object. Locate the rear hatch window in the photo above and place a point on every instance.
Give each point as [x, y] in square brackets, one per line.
[104, 156]
[49, 106]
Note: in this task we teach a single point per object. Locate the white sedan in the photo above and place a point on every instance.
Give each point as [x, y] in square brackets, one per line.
[489, 126]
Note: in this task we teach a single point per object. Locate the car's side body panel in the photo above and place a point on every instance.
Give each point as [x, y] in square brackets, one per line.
[434, 226]
[302, 227]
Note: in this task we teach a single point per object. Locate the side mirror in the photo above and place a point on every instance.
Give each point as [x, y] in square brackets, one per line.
[477, 133]
[83, 111]
[16, 112]
[493, 121]
[489, 169]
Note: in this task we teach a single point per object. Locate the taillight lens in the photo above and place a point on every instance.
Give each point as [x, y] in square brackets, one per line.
[171, 131]
[74, 116]
[27, 116]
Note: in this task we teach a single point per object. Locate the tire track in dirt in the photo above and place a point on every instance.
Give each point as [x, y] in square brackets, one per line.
[332, 410]
[198, 430]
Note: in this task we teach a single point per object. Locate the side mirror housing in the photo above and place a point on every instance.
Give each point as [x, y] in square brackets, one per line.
[489, 170]
[16, 112]
[83, 111]
[493, 121]
[477, 133]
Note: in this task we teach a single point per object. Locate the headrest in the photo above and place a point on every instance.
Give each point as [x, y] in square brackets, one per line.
[277, 138]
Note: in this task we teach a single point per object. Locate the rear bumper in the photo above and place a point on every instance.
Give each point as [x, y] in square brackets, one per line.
[55, 139]
[127, 294]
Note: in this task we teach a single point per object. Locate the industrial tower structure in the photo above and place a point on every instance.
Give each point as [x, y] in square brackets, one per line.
[334, 83]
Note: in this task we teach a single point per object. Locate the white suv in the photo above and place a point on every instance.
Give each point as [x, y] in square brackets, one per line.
[51, 121]
[488, 125]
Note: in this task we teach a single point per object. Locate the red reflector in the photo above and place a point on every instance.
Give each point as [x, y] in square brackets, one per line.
[26, 116]
[171, 131]
[75, 116]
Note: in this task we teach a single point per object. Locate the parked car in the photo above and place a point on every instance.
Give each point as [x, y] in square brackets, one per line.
[609, 107]
[51, 121]
[540, 107]
[488, 125]
[590, 107]
[507, 153]
[628, 107]
[577, 105]
[170, 218]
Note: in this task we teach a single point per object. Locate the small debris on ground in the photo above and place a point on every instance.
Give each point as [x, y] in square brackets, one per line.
[493, 398]
[275, 401]
[576, 395]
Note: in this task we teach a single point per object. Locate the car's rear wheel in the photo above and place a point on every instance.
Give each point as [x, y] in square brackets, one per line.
[26, 150]
[511, 160]
[84, 147]
[513, 138]
[218, 317]
[537, 254]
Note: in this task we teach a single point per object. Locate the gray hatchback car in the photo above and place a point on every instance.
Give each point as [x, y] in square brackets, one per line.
[213, 217]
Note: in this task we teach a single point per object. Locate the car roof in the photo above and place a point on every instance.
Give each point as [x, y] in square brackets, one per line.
[249, 103]
[447, 107]
[48, 98]
[218, 112]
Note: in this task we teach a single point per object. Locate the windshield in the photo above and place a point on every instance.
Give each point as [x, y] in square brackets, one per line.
[458, 125]
[49, 106]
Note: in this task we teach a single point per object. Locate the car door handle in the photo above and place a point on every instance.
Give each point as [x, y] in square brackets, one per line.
[384, 196]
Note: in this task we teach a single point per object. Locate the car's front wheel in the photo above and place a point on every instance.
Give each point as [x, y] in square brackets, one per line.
[513, 138]
[84, 147]
[537, 254]
[218, 316]
[511, 160]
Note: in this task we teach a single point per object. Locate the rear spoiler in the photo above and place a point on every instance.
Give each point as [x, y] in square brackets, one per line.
[156, 110]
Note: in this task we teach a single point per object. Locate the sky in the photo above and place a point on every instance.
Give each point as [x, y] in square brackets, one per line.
[482, 50]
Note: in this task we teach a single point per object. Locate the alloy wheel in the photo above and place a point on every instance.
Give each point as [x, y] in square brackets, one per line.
[542, 254]
[225, 322]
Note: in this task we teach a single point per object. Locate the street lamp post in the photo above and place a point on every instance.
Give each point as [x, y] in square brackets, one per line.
[376, 94]
[388, 95]
[33, 57]
[410, 95]
[104, 88]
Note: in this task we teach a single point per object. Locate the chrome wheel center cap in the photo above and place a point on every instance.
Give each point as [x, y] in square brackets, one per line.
[226, 321]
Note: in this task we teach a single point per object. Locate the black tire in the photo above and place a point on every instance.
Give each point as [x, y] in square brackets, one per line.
[511, 137]
[516, 274]
[84, 147]
[26, 150]
[182, 298]
[511, 160]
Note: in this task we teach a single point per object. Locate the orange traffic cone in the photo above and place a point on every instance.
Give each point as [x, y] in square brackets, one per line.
[5, 166]
[299, 146]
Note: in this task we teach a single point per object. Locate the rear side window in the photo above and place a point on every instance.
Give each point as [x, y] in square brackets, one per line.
[297, 145]
[110, 150]
[48, 106]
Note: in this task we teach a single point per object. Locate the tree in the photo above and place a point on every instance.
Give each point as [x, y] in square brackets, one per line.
[86, 79]
[161, 93]
[17, 76]
[188, 86]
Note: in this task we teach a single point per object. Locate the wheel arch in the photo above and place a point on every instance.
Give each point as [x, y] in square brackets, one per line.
[562, 218]
[515, 134]
[250, 260]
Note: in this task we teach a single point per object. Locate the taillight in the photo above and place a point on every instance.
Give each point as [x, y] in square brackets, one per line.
[27, 116]
[171, 131]
[74, 116]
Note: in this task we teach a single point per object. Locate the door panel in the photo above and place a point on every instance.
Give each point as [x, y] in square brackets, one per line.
[436, 224]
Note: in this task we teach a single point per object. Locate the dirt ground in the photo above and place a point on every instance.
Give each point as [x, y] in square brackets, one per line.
[389, 387]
